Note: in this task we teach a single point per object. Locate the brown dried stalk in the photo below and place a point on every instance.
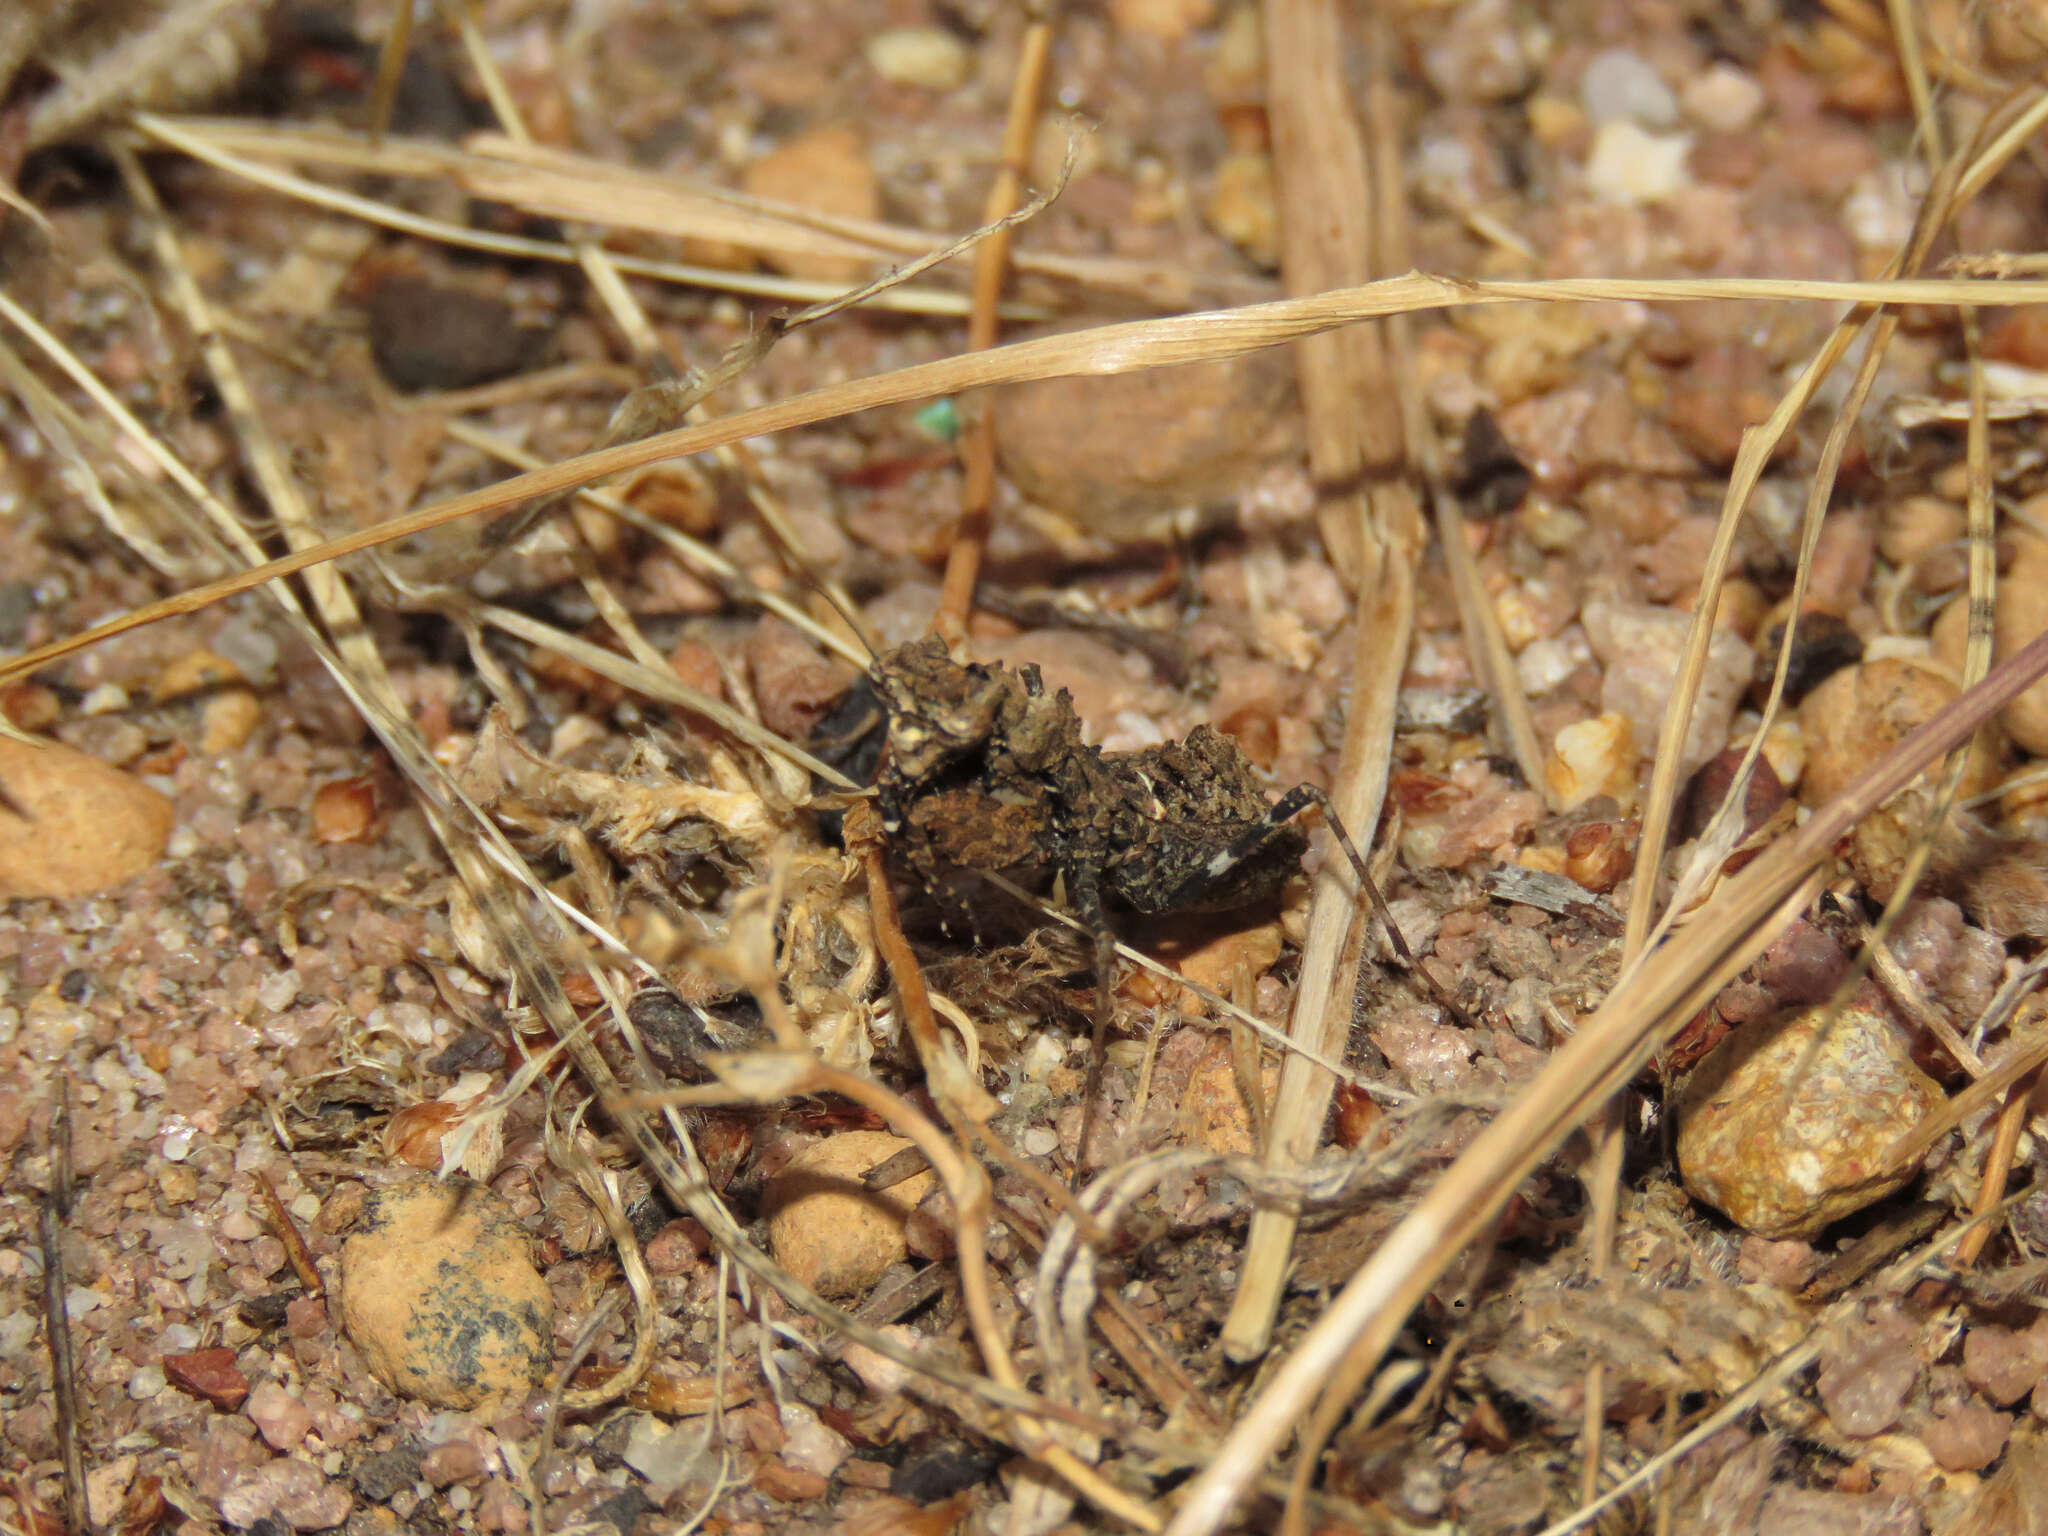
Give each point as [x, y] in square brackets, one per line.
[991, 266]
[1108, 349]
[1372, 526]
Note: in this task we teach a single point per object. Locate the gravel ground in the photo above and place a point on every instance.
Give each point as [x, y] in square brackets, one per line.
[233, 940]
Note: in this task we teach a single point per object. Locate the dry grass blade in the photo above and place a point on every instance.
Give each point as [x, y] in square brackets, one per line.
[182, 55]
[1351, 1337]
[1108, 349]
[694, 553]
[203, 140]
[1373, 527]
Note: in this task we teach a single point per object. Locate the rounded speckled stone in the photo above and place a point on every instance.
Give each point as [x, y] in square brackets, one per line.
[438, 1292]
[1786, 1124]
[830, 1231]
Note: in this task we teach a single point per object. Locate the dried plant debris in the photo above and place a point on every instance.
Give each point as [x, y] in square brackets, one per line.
[356, 1026]
[71, 67]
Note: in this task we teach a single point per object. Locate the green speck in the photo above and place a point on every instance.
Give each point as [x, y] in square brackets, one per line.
[939, 420]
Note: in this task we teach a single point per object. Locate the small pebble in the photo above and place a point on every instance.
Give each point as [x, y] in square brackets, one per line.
[1722, 98]
[1167, 20]
[1786, 1125]
[1642, 648]
[345, 810]
[105, 1487]
[1599, 855]
[1630, 166]
[930, 58]
[1822, 645]
[1620, 86]
[931, 1232]
[1868, 1366]
[2005, 1364]
[377, 1478]
[1243, 206]
[210, 1374]
[1708, 787]
[1479, 54]
[72, 826]
[881, 1375]
[1966, 1436]
[828, 171]
[431, 335]
[292, 1491]
[278, 1415]
[827, 1230]
[794, 684]
[1544, 664]
[1850, 722]
[1802, 965]
[811, 1445]
[458, 1461]
[190, 673]
[1844, 556]
[228, 719]
[1590, 758]
[440, 1295]
[499, 1508]
[1862, 712]
[1789, 1265]
[1724, 390]
[2021, 614]
[1917, 525]
[146, 1383]
[667, 1455]
[676, 1249]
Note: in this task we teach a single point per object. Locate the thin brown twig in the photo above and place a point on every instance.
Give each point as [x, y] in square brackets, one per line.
[991, 267]
[1998, 1165]
[390, 70]
[288, 1233]
[56, 1209]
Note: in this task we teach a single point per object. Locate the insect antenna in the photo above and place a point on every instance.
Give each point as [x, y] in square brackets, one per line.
[1308, 794]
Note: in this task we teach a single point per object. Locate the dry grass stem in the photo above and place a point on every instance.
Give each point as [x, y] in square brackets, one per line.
[1104, 350]
[194, 137]
[1372, 526]
[991, 267]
